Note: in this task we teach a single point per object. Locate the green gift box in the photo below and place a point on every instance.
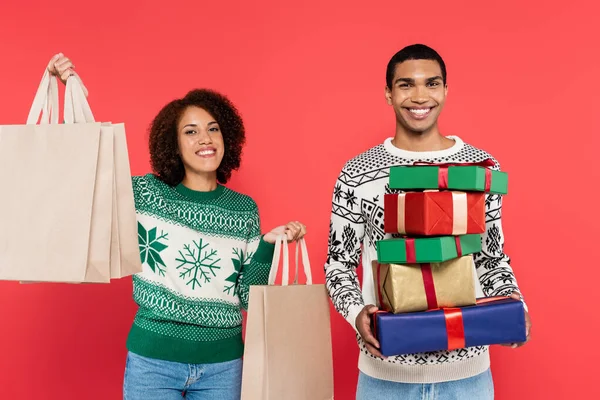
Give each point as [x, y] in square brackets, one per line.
[464, 178]
[426, 250]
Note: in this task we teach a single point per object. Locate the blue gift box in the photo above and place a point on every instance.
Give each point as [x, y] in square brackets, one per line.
[491, 321]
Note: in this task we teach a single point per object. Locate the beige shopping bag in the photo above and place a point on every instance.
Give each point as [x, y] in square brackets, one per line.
[58, 221]
[121, 244]
[288, 352]
[125, 252]
[46, 215]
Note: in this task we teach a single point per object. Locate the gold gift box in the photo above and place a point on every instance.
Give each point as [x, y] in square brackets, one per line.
[403, 288]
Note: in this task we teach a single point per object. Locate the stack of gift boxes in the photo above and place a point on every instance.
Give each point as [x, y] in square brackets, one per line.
[425, 280]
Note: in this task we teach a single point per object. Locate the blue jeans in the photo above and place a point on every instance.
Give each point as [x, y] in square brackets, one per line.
[478, 387]
[150, 379]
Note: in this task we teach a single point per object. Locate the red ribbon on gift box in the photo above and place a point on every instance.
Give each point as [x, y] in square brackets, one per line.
[488, 180]
[429, 286]
[411, 252]
[443, 171]
[427, 281]
[378, 283]
[411, 258]
[458, 246]
[455, 326]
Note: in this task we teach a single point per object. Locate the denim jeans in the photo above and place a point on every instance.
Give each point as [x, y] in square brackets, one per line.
[151, 379]
[479, 387]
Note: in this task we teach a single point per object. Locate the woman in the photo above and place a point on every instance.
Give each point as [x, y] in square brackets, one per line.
[201, 249]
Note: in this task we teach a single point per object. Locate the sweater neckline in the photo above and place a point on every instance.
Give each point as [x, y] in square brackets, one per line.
[199, 196]
[422, 155]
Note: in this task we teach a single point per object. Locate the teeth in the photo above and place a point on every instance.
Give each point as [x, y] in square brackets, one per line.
[420, 111]
[205, 152]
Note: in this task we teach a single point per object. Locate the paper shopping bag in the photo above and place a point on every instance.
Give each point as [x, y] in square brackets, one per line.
[288, 352]
[72, 203]
[46, 216]
[122, 245]
[125, 252]
[98, 265]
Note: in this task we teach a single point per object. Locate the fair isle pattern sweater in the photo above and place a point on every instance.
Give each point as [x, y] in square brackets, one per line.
[357, 224]
[200, 251]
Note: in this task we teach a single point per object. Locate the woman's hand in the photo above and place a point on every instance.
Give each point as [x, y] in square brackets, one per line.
[61, 67]
[293, 230]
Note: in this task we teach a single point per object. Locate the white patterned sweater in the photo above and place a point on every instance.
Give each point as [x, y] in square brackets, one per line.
[356, 226]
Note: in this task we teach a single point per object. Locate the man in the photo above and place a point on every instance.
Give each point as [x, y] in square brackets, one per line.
[416, 88]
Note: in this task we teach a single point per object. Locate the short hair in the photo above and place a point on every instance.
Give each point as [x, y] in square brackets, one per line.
[165, 159]
[413, 52]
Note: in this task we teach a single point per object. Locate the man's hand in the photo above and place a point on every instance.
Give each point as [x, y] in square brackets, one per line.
[517, 296]
[363, 325]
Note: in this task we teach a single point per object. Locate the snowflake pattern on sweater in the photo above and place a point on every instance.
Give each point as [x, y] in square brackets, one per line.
[201, 252]
[357, 224]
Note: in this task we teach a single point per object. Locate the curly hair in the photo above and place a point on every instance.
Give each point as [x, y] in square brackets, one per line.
[165, 160]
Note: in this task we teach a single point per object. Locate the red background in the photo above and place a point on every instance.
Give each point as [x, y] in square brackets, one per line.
[309, 79]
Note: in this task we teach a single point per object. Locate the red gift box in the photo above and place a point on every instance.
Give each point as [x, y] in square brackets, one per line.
[432, 213]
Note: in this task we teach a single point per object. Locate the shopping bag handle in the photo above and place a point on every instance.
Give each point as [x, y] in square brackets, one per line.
[45, 101]
[301, 248]
[77, 109]
[280, 244]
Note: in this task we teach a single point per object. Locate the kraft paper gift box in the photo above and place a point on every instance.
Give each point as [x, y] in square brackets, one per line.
[453, 177]
[403, 288]
[433, 213]
[491, 321]
[427, 249]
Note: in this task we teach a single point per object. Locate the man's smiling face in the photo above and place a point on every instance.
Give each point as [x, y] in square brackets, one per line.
[417, 94]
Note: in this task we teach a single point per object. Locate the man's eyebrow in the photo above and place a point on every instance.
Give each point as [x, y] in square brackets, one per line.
[407, 80]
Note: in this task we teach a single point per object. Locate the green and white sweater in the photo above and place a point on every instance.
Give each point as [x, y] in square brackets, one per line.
[200, 251]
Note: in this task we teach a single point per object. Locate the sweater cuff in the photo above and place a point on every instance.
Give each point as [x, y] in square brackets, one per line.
[264, 252]
[353, 312]
[522, 300]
